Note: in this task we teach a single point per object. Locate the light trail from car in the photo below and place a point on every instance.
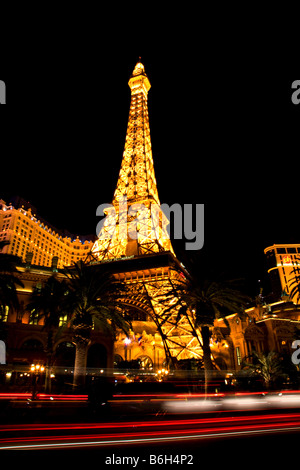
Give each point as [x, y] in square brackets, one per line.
[154, 431]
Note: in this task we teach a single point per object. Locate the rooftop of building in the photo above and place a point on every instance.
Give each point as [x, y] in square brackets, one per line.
[21, 204]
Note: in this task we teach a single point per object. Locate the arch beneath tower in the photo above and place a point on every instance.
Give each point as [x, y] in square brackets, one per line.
[152, 290]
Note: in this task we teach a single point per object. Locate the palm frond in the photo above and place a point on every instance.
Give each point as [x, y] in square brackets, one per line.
[294, 283]
[94, 298]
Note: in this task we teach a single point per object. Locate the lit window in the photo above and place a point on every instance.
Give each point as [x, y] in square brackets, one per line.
[34, 318]
[4, 313]
[238, 355]
[63, 319]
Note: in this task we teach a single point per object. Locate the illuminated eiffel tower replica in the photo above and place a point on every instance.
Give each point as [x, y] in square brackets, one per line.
[134, 244]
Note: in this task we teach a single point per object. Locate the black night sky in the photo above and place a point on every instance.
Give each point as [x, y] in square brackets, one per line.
[224, 133]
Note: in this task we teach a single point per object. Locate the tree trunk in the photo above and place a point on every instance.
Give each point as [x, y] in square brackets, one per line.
[208, 366]
[49, 353]
[48, 376]
[80, 364]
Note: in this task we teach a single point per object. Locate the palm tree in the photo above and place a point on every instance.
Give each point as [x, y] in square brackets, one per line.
[8, 281]
[208, 300]
[294, 283]
[200, 301]
[93, 300]
[47, 303]
[201, 298]
[267, 366]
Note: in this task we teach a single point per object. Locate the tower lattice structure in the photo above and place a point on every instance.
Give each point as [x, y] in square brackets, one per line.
[134, 224]
[134, 238]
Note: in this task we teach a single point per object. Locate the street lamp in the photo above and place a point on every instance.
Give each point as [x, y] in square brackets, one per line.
[161, 374]
[127, 341]
[36, 370]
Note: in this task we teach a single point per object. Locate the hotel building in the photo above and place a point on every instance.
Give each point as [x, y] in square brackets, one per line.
[36, 242]
[43, 252]
[282, 261]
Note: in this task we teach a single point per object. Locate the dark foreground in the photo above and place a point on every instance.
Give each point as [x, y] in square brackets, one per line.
[261, 449]
[150, 431]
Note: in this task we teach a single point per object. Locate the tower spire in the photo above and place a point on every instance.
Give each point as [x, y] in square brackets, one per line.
[137, 179]
[134, 224]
